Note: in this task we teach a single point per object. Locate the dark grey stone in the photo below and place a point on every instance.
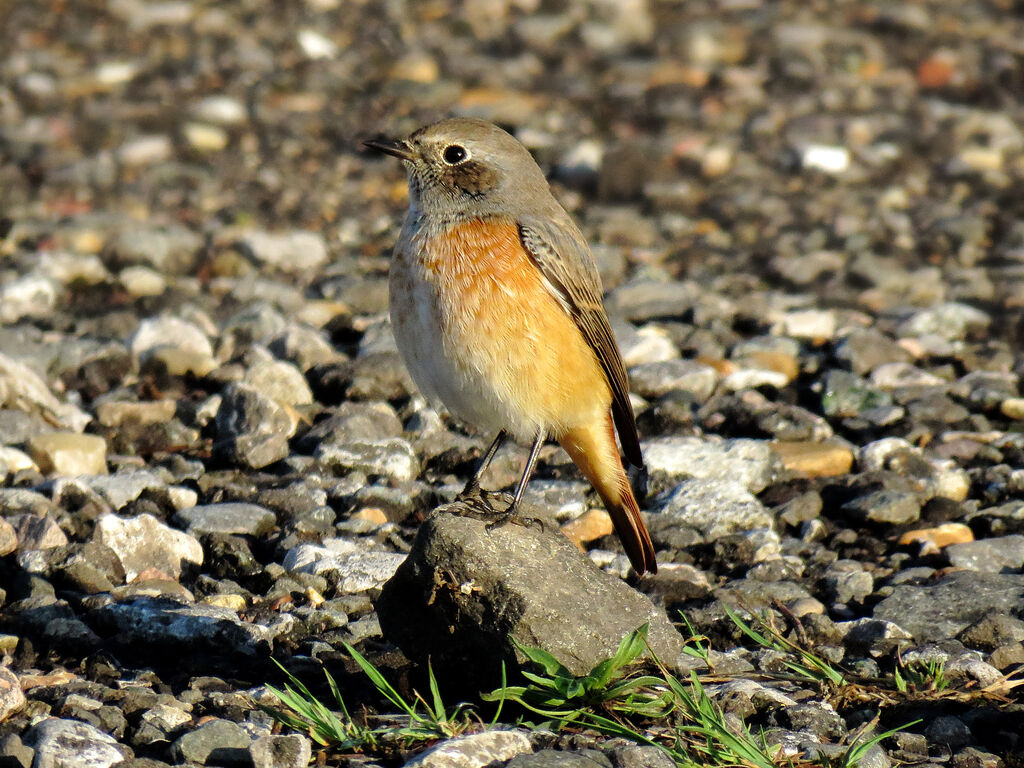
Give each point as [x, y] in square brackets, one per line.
[217, 742]
[465, 594]
[939, 611]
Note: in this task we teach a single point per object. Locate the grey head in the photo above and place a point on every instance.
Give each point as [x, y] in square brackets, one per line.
[463, 166]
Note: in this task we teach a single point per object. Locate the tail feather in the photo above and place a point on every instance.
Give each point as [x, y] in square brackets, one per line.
[593, 450]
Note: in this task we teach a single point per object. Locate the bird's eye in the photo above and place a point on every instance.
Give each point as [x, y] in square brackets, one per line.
[454, 154]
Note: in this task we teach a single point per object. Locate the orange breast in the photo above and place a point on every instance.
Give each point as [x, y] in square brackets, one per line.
[501, 323]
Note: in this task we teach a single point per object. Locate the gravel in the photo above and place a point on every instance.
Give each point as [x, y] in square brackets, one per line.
[812, 248]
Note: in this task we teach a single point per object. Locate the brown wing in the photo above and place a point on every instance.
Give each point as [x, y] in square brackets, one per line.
[564, 259]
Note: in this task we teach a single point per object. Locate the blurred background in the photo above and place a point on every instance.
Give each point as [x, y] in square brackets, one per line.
[868, 154]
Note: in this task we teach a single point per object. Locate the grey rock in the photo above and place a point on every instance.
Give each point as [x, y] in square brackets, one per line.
[652, 380]
[391, 457]
[847, 581]
[252, 429]
[167, 622]
[156, 333]
[552, 758]
[351, 422]
[302, 346]
[14, 753]
[876, 636]
[227, 517]
[714, 507]
[844, 394]
[952, 320]
[144, 542]
[354, 571]
[748, 462]
[276, 379]
[991, 632]
[72, 744]
[216, 742]
[948, 730]
[477, 750]
[124, 487]
[296, 251]
[998, 555]
[465, 593]
[641, 300]
[864, 349]
[21, 389]
[941, 610]
[35, 532]
[169, 249]
[637, 756]
[160, 723]
[292, 751]
[885, 506]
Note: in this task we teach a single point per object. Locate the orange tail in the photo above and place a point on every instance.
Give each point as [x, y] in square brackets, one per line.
[593, 450]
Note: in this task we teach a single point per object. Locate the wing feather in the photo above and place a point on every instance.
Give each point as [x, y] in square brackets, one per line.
[563, 257]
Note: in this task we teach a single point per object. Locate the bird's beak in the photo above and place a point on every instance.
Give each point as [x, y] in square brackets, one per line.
[394, 147]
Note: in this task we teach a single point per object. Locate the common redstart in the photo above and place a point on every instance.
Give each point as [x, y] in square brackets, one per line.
[496, 308]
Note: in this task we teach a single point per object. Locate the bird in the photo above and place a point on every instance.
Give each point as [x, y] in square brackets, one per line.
[496, 308]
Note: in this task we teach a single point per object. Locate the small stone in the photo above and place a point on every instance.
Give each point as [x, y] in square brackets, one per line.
[142, 281]
[749, 462]
[939, 536]
[1013, 408]
[391, 457]
[144, 542]
[115, 414]
[591, 525]
[157, 333]
[205, 138]
[21, 389]
[297, 251]
[280, 381]
[995, 555]
[885, 506]
[371, 515]
[477, 750]
[27, 297]
[948, 730]
[826, 158]
[221, 742]
[69, 453]
[354, 572]
[183, 362]
[12, 698]
[35, 532]
[72, 744]
[815, 459]
[8, 538]
[252, 428]
[12, 460]
[952, 321]
[228, 518]
[236, 603]
[715, 508]
[814, 324]
[652, 380]
[292, 751]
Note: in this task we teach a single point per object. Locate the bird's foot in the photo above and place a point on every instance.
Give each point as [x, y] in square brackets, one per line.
[511, 515]
[477, 503]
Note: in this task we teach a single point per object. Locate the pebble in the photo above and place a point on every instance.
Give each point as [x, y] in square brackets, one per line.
[591, 525]
[391, 457]
[715, 507]
[72, 744]
[143, 542]
[476, 750]
[158, 333]
[69, 453]
[224, 742]
[296, 251]
[11, 697]
[815, 459]
[995, 555]
[281, 751]
[747, 462]
[228, 518]
[938, 537]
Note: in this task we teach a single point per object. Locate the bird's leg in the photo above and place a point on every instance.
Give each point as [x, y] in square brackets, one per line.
[473, 486]
[509, 515]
